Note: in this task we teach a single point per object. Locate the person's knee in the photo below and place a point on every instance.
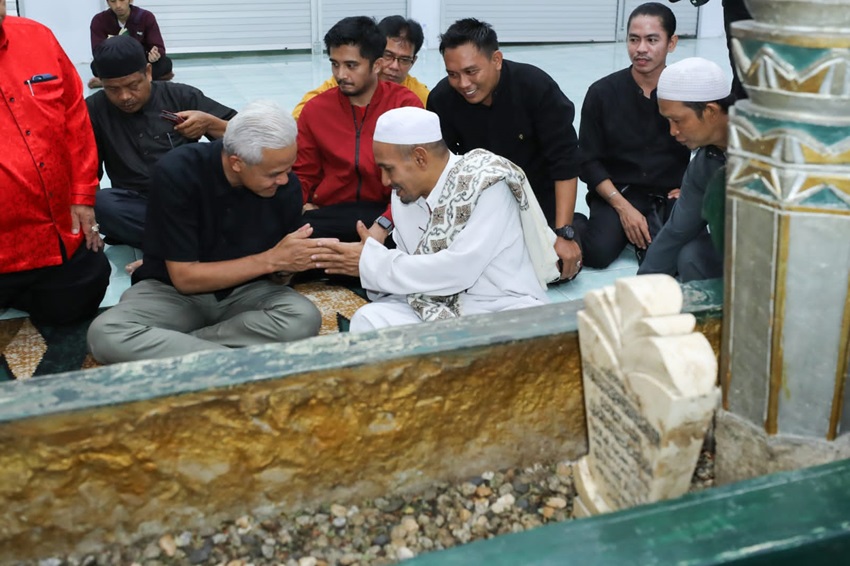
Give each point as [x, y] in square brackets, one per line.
[298, 318]
[165, 67]
[106, 209]
[361, 322]
[121, 215]
[602, 239]
[310, 319]
[107, 336]
[599, 255]
[699, 260]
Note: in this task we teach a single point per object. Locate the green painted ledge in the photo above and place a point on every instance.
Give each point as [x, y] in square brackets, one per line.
[138, 381]
[799, 517]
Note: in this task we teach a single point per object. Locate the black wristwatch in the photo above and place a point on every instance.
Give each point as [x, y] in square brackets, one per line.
[385, 223]
[566, 232]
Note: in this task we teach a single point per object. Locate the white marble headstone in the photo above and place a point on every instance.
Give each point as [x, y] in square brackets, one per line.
[650, 392]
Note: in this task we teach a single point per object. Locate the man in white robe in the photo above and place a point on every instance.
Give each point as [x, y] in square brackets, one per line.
[470, 236]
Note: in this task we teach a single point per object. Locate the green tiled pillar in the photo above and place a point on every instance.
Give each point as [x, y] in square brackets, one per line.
[787, 321]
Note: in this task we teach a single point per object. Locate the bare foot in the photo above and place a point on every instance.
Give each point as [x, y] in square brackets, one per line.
[95, 82]
[132, 266]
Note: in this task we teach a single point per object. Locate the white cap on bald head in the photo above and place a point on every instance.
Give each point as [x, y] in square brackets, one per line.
[694, 80]
[408, 126]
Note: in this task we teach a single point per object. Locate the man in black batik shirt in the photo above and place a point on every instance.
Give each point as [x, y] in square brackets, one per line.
[633, 167]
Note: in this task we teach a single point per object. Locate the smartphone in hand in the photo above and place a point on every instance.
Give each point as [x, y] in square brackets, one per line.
[171, 117]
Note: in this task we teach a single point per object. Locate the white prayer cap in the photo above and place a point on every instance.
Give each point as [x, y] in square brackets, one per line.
[694, 80]
[408, 126]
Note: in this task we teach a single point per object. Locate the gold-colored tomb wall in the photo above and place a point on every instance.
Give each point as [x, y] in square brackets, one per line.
[203, 438]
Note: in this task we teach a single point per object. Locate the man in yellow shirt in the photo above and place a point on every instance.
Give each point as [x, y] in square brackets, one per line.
[404, 40]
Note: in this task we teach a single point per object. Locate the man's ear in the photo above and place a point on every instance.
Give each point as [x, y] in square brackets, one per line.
[420, 157]
[712, 111]
[674, 41]
[497, 59]
[236, 164]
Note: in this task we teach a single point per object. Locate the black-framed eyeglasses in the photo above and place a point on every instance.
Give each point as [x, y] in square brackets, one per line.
[403, 61]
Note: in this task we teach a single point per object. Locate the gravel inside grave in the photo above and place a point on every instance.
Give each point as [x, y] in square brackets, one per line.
[379, 531]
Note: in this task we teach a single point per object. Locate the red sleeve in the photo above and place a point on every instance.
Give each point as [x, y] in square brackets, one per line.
[79, 137]
[308, 162]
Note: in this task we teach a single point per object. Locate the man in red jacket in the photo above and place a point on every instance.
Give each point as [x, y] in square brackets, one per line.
[340, 180]
[121, 18]
[49, 265]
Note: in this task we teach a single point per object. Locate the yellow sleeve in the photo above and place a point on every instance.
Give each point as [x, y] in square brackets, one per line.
[327, 85]
[417, 88]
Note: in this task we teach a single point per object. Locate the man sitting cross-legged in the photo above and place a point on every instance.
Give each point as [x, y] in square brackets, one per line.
[470, 235]
[404, 40]
[132, 133]
[222, 243]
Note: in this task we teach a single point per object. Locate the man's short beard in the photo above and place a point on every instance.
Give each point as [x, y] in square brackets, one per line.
[361, 90]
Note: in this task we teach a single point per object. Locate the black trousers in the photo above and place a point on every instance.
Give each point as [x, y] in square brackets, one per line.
[602, 237]
[340, 220]
[59, 294]
[121, 215]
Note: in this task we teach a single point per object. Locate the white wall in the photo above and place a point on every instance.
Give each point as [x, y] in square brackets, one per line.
[69, 20]
[711, 20]
[427, 13]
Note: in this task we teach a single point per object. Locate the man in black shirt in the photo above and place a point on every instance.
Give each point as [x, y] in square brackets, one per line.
[631, 164]
[222, 243]
[133, 133]
[516, 111]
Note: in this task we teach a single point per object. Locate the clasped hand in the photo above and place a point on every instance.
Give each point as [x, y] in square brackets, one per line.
[342, 258]
[294, 253]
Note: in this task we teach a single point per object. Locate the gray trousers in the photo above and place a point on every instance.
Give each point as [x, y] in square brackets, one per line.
[154, 320]
[699, 260]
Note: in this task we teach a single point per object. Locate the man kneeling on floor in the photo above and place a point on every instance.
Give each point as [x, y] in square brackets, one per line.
[223, 239]
[694, 95]
[470, 235]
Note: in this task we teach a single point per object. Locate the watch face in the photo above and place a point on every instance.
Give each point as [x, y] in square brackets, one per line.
[384, 222]
[566, 232]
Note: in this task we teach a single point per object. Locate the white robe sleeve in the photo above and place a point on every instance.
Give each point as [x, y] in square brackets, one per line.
[454, 269]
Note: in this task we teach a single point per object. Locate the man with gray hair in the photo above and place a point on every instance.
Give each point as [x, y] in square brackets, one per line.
[694, 95]
[470, 236]
[222, 242]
